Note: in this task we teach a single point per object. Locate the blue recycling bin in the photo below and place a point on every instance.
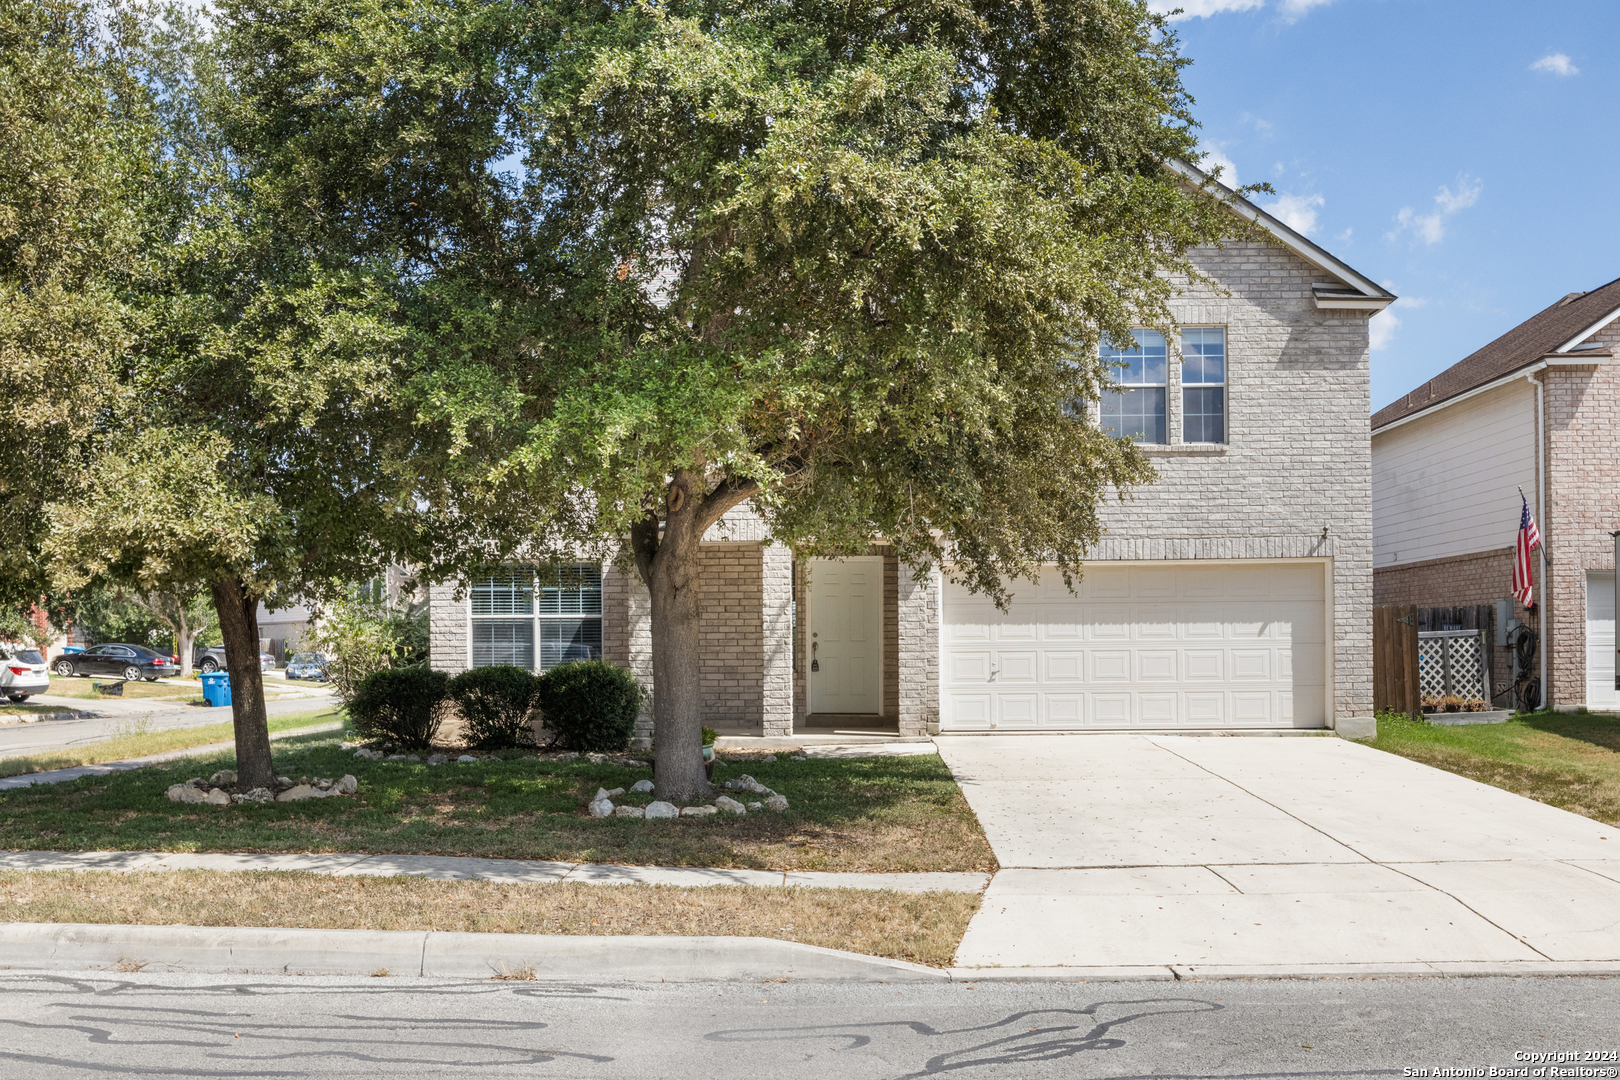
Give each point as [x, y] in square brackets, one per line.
[216, 686]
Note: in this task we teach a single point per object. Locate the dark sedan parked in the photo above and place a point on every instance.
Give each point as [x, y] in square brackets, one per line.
[128, 661]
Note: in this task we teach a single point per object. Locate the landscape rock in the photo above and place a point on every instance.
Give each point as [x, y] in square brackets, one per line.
[748, 783]
[216, 797]
[369, 755]
[601, 808]
[257, 795]
[465, 759]
[186, 793]
[798, 757]
[346, 786]
[628, 811]
[769, 759]
[616, 792]
[642, 785]
[755, 805]
[601, 793]
[572, 755]
[399, 757]
[777, 803]
[223, 778]
[300, 791]
[662, 809]
[282, 781]
[698, 811]
[438, 759]
[729, 805]
[323, 783]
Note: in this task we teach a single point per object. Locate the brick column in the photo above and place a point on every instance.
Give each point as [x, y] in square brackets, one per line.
[627, 636]
[449, 649]
[776, 615]
[917, 619]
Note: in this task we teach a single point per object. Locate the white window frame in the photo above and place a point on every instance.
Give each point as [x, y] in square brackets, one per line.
[1224, 386]
[1163, 386]
[588, 608]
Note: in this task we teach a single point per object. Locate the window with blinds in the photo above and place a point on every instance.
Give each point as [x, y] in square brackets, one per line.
[537, 617]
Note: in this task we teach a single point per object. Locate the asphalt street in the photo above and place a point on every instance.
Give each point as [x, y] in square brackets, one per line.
[77, 1025]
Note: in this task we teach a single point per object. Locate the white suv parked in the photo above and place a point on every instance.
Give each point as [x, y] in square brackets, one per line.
[22, 671]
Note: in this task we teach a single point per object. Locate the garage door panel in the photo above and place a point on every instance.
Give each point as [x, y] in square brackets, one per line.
[1114, 666]
[1158, 665]
[1207, 646]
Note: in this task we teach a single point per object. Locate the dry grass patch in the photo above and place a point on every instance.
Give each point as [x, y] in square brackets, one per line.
[920, 927]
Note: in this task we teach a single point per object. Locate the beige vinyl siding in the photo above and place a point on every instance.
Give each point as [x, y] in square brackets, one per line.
[1448, 484]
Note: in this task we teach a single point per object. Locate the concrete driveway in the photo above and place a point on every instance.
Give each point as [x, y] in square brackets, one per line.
[1261, 855]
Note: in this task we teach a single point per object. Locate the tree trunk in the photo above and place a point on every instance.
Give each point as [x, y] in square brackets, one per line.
[239, 622]
[669, 565]
[185, 639]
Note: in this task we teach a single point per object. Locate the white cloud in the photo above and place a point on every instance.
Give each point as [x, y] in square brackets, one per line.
[1298, 212]
[1431, 228]
[1344, 237]
[1295, 9]
[1214, 157]
[1201, 9]
[1381, 328]
[1557, 63]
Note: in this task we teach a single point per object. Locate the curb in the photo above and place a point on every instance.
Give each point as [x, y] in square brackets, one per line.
[1439, 969]
[435, 954]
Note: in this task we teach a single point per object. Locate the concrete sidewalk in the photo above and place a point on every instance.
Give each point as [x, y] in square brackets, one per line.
[1297, 856]
[509, 871]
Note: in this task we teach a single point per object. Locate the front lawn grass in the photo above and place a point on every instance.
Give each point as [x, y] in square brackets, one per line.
[138, 742]
[865, 814]
[79, 686]
[1567, 760]
[25, 707]
[923, 928]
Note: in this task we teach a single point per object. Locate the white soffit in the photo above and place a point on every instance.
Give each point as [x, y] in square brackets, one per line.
[1362, 293]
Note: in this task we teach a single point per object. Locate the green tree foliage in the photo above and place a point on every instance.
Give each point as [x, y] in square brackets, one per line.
[849, 264]
[361, 631]
[78, 147]
[258, 444]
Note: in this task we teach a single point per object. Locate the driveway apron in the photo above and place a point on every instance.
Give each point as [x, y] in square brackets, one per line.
[1211, 855]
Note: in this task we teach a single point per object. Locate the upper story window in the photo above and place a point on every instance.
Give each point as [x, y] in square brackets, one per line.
[1134, 409]
[537, 618]
[1203, 384]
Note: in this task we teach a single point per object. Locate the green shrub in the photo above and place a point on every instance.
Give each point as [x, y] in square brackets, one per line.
[496, 705]
[590, 705]
[406, 705]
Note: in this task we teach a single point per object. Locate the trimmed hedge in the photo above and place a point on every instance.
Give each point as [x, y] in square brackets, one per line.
[406, 705]
[590, 705]
[497, 705]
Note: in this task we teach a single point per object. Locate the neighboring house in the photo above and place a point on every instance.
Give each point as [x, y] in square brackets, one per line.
[1537, 409]
[1234, 593]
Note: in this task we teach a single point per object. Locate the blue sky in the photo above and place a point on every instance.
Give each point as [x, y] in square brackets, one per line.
[1466, 155]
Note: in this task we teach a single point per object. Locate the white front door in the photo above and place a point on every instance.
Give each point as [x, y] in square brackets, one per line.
[1234, 645]
[1600, 693]
[846, 635]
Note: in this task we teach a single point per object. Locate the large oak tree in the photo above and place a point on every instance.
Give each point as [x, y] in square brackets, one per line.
[849, 262]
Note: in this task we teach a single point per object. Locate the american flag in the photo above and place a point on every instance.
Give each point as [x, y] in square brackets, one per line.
[1529, 540]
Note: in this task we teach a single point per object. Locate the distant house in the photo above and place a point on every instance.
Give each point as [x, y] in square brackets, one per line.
[1233, 593]
[1537, 409]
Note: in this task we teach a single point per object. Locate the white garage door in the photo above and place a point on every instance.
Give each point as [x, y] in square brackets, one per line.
[1163, 646]
[1600, 642]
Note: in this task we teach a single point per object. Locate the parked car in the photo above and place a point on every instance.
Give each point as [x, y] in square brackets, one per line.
[22, 671]
[307, 665]
[210, 660]
[267, 662]
[130, 662]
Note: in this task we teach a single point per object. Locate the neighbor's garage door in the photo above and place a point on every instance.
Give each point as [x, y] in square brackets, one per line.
[1164, 646]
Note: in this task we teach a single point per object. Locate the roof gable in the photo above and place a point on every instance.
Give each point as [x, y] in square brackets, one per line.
[1555, 329]
[1352, 290]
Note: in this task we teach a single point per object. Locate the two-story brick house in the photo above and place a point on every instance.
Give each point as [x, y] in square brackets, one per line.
[1233, 593]
[1537, 410]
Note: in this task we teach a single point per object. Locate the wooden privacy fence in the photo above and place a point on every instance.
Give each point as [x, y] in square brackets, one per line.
[1395, 660]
